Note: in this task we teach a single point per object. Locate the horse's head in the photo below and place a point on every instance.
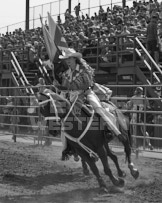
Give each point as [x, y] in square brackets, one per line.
[52, 104]
[54, 108]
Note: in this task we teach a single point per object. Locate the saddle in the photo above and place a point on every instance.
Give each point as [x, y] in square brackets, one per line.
[87, 109]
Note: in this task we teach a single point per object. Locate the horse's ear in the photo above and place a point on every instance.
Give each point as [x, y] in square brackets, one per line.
[43, 96]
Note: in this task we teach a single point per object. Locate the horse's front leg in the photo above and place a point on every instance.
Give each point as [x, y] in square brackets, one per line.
[103, 156]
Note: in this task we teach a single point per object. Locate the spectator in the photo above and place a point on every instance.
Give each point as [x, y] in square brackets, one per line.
[152, 39]
[67, 14]
[43, 90]
[77, 10]
[138, 102]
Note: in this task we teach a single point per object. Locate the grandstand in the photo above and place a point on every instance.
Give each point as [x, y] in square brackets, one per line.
[110, 40]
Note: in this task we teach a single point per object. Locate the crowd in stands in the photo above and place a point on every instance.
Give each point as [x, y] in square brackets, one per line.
[81, 31]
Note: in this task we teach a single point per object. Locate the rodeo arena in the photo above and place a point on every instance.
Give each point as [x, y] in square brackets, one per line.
[81, 103]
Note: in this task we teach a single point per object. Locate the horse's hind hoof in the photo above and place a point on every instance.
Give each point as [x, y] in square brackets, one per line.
[103, 190]
[135, 173]
[76, 158]
[122, 174]
[121, 182]
[86, 172]
[118, 182]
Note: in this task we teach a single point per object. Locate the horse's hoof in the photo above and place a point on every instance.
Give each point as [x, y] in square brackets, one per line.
[151, 147]
[122, 174]
[86, 172]
[103, 190]
[135, 173]
[119, 182]
[76, 158]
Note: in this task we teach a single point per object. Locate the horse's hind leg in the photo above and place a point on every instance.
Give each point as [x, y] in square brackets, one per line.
[103, 156]
[113, 156]
[133, 170]
[85, 167]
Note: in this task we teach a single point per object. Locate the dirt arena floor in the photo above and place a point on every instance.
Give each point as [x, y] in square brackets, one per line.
[35, 174]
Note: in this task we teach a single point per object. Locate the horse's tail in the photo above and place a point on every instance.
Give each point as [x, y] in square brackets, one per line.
[128, 138]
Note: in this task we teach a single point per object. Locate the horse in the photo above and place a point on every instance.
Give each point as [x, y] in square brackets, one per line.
[85, 133]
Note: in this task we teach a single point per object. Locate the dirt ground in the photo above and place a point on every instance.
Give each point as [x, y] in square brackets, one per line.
[35, 174]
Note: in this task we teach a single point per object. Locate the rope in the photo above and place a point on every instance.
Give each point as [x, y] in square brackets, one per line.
[77, 140]
[70, 109]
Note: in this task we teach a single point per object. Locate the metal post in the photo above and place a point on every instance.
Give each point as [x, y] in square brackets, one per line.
[123, 3]
[33, 15]
[69, 6]
[27, 15]
[89, 7]
[134, 61]
[14, 121]
[51, 8]
[59, 7]
[42, 11]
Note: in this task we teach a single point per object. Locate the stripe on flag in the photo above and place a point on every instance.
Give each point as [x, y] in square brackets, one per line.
[52, 26]
[49, 43]
[56, 34]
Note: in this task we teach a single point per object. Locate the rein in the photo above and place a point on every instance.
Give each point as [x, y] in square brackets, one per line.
[71, 108]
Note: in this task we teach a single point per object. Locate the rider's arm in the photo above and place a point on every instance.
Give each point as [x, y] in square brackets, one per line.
[82, 82]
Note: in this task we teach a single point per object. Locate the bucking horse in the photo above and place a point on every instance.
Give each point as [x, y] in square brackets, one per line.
[87, 135]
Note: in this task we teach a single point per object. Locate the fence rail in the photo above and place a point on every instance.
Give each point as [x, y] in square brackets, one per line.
[20, 123]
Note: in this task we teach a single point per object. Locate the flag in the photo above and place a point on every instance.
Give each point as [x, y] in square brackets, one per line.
[56, 34]
[49, 43]
[52, 26]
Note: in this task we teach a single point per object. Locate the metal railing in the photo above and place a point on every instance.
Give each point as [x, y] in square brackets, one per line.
[23, 121]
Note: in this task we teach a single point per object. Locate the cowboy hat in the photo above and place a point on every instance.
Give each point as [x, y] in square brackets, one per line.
[70, 53]
[41, 82]
[9, 98]
[139, 89]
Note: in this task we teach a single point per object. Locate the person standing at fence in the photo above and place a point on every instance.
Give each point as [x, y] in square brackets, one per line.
[12, 118]
[43, 90]
[139, 102]
[8, 110]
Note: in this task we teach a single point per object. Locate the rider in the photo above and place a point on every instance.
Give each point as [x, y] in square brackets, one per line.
[79, 77]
